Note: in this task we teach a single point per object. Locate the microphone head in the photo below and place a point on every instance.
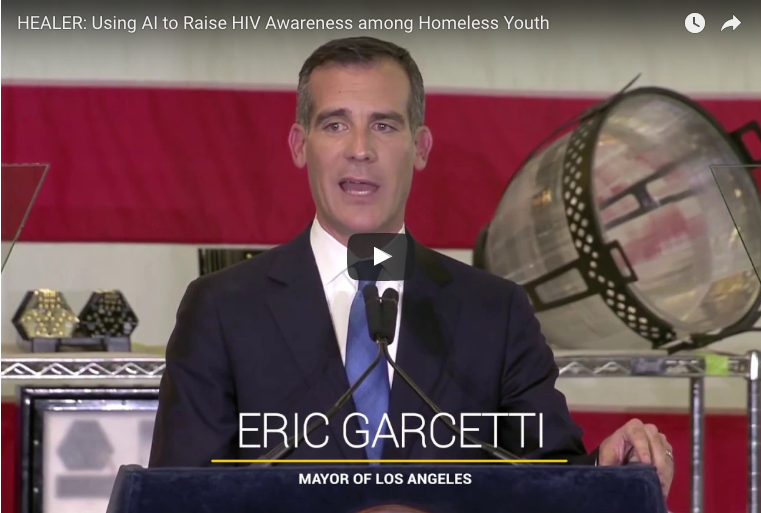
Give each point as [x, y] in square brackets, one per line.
[391, 295]
[373, 311]
[389, 313]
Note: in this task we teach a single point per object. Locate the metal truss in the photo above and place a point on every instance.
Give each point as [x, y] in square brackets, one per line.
[33, 368]
[654, 366]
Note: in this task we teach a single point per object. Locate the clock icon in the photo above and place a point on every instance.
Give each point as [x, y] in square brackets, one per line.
[695, 23]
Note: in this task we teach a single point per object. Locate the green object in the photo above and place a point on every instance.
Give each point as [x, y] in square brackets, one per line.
[716, 364]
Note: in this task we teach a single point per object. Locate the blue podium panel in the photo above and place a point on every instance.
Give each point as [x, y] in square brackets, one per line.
[412, 488]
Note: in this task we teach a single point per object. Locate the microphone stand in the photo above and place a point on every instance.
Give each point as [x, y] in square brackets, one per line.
[496, 451]
[288, 446]
[373, 312]
[389, 313]
[382, 320]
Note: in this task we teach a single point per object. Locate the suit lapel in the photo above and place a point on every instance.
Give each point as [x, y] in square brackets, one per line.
[426, 334]
[298, 305]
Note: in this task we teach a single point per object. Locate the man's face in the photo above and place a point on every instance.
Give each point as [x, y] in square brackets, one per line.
[359, 151]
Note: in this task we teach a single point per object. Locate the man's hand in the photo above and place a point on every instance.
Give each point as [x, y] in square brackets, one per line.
[638, 442]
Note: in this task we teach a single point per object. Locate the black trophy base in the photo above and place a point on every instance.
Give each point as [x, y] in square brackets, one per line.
[77, 344]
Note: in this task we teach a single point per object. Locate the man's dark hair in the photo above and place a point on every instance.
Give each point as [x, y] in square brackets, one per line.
[363, 51]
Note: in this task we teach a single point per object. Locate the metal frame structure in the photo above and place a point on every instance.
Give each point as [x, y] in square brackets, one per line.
[36, 401]
[694, 367]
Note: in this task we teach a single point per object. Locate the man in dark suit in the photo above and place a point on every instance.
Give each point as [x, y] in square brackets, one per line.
[282, 333]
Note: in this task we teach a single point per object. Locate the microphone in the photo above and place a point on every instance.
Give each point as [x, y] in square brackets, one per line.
[373, 311]
[389, 311]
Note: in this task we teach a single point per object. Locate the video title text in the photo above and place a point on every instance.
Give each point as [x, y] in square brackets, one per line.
[408, 25]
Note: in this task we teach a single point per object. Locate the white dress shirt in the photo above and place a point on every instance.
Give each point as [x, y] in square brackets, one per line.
[340, 288]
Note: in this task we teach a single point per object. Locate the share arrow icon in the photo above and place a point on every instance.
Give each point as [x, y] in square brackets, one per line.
[734, 23]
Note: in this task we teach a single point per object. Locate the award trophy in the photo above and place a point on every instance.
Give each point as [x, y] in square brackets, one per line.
[622, 236]
[46, 323]
[108, 317]
[43, 319]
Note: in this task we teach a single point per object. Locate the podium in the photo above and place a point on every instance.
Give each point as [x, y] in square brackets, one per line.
[461, 488]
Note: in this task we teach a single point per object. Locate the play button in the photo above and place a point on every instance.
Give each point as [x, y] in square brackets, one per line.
[380, 256]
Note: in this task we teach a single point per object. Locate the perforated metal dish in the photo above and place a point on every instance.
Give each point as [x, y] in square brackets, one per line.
[620, 234]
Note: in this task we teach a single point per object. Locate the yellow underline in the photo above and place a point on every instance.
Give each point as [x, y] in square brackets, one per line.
[389, 461]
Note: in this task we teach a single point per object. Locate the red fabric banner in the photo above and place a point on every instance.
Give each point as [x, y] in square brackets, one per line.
[132, 164]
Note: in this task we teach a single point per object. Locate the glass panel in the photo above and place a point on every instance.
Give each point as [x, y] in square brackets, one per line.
[742, 199]
[20, 185]
[71, 286]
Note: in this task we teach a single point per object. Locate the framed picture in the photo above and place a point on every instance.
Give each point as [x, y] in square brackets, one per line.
[73, 441]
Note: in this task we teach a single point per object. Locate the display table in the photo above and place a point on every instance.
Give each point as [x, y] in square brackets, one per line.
[142, 367]
[145, 366]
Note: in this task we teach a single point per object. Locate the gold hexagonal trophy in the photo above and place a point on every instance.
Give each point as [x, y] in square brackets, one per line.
[46, 323]
[43, 318]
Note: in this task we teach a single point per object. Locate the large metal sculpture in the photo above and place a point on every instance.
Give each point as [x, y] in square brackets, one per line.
[620, 234]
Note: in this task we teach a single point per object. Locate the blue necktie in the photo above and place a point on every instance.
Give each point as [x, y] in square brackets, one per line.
[372, 396]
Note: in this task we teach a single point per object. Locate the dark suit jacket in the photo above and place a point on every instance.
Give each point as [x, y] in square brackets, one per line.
[258, 337]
